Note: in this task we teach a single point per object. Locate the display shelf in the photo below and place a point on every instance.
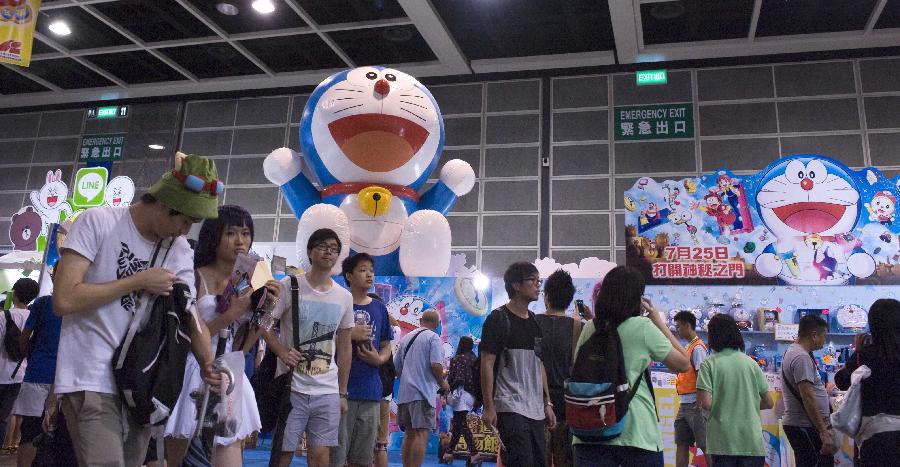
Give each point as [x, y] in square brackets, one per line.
[830, 334]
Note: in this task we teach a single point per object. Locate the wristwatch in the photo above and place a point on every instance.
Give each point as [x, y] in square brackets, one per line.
[343, 395]
[548, 404]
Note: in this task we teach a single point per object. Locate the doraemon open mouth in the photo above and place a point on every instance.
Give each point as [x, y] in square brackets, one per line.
[51, 200]
[378, 142]
[810, 217]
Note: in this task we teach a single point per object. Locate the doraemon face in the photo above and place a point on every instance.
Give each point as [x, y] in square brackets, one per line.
[804, 195]
[372, 124]
[407, 310]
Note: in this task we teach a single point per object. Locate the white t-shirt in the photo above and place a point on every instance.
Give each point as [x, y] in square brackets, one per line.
[110, 240]
[7, 366]
[321, 315]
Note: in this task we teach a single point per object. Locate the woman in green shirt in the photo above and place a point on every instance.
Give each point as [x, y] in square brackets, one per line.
[733, 388]
[644, 337]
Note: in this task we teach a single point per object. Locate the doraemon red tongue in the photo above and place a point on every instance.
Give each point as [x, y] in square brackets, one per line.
[810, 217]
[378, 142]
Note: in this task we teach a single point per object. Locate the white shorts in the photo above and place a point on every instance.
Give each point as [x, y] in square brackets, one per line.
[31, 399]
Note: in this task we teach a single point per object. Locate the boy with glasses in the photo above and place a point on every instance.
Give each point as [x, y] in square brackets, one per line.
[513, 380]
[321, 364]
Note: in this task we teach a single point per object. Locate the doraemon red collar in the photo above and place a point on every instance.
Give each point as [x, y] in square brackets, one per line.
[350, 188]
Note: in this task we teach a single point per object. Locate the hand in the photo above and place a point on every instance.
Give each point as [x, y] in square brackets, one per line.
[652, 312]
[343, 405]
[157, 281]
[361, 332]
[292, 358]
[458, 176]
[550, 416]
[49, 421]
[445, 387]
[828, 444]
[210, 375]
[489, 416]
[274, 288]
[239, 304]
[368, 354]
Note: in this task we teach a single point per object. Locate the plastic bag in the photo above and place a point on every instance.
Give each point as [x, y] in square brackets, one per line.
[847, 417]
[228, 410]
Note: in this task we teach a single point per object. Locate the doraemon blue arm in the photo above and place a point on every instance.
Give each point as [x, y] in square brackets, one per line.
[370, 137]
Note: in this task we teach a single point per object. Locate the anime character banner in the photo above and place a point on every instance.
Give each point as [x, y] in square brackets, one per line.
[804, 220]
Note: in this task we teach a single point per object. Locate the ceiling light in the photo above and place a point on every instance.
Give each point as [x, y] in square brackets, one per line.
[156, 147]
[263, 6]
[60, 28]
[227, 9]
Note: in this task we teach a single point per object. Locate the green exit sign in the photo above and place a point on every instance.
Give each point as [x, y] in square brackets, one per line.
[651, 77]
[113, 111]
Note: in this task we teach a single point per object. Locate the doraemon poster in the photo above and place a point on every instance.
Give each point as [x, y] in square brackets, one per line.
[805, 219]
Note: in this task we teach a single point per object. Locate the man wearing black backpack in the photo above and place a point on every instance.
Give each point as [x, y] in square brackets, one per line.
[23, 292]
[513, 381]
[105, 274]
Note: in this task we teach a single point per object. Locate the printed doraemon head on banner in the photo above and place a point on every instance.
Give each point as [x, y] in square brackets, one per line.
[804, 220]
[51, 200]
[371, 137]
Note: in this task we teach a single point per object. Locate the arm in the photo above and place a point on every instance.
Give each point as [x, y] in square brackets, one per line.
[457, 178]
[576, 334]
[677, 359]
[705, 399]
[372, 357]
[549, 414]
[487, 388]
[72, 295]
[765, 401]
[201, 346]
[437, 371]
[344, 358]
[283, 167]
[808, 394]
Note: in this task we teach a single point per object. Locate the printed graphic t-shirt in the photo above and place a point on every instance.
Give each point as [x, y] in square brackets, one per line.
[44, 324]
[321, 315]
[108, 238]
[365, 379]
[7, 365]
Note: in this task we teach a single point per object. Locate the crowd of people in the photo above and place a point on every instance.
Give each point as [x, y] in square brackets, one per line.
[336, 394]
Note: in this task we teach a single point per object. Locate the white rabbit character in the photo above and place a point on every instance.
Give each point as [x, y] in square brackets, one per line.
[50, 200]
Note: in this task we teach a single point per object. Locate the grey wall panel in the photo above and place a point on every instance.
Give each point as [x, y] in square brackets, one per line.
[668, 156]
[579, 229]
[62, 123]
[297, 106]
[11, 203]
[19, 125]
[512, 162]
[207, 143]
[153, 117]
[495, 262]
[738, 119]
[738, 154]
[507, 129]
[581, 195]
[620, 229]
[883, 112]
[254, 200]
[148, 172]
[620, 257]
[511, 195]
[210, 114]
[136, 145]
[462, 131]
[580, 126]
[13, 178]
[627, 92]
[465, 230]
[880, 75]
[519, 230]
[818, 115]
[16, 152]
[735, 83]
[287, 228]
[472, 156]
[458, 99]
[246, 171]
[514, 95]
[4, 234]
[575, 256]
[56, 150]
[621, 186]
[581, 159]
[845, 148]
[262, 111]
[468, 202]
[263, 229]
[37, 177]
[811, 79]
[257, 140]
[586, 91]
[471, 255]
[884, 148]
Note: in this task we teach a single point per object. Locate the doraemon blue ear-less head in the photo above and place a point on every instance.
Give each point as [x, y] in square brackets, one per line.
[374, 125]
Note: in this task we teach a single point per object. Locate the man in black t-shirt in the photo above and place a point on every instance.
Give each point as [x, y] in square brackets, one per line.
[560, 333]
[513, 380]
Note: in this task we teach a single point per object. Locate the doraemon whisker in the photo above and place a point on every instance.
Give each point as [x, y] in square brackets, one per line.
[413, 113]
[346, 98]
[412, 95]
[348, 108]
[413, 103]
[343, 89]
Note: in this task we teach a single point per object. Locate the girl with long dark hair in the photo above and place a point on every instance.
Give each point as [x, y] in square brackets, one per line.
[461, 398]
[220, 242]
[880, 351]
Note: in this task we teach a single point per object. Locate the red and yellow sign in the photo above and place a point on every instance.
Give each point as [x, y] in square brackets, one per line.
[17, 22]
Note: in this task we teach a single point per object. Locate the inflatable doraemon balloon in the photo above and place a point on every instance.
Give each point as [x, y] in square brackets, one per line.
[812, 205]
[371, 137]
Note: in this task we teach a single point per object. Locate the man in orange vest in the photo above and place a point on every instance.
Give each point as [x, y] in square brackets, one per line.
[690, 424]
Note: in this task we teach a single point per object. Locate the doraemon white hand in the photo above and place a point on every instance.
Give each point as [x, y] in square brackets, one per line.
[372, 136]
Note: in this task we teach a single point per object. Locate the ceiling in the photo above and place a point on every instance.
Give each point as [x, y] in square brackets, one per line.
[122, 49]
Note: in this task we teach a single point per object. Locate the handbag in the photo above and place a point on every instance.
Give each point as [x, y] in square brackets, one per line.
[848, 416]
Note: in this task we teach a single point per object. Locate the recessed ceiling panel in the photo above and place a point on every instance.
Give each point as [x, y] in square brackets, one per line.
[135, 67]
[294, 53]
[499, 29]
[67, 74]
[14, 83]
[38, 47]
[781, 18]
[249, 20]
[890, 15]
[704, 20]
[155, 20]
[212, 60]
[383, 46]
[350, 11]
[88, 32]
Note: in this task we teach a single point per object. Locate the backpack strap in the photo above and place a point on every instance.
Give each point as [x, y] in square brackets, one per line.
[137, 318]
[295, 311]
[408, 346]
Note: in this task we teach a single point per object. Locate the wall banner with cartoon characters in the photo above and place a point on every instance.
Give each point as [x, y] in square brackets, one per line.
[804, 220]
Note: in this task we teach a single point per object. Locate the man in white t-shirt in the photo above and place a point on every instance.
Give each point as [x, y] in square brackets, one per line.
[104, 274]
[23, 292]
[321, 365]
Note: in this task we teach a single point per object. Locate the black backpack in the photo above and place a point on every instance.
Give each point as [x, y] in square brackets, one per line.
[148, 366]
[11, 339]
[598, 393]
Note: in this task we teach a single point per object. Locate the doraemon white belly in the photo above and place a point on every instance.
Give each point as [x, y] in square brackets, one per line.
[374, 235]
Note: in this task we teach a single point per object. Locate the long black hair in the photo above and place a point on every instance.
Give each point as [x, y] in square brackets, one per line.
[884, 325]
[465, 346]
[724, 334]
[619, 298]
[211, 232]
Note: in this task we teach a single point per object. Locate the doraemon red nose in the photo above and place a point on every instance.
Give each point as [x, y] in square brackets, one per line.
[382, 87]
[807, 184]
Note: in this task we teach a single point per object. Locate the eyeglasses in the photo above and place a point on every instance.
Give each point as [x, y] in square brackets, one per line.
[334, 249]
[537, 281]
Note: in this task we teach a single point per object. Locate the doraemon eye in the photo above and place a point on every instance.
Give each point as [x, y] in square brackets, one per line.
[816, 171]
[372, 75]
[795, 171]
[390, 77]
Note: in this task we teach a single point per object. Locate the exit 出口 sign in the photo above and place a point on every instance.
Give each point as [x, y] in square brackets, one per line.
[666, 121]
[101, 148]
[646, 77]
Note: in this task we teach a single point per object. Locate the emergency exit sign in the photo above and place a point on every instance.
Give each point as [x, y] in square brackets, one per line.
[113, 111]
[651, 77]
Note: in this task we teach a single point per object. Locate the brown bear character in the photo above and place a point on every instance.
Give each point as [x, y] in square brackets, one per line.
[25, 228]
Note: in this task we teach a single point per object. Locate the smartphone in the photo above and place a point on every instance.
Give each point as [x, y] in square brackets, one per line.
[579, 305]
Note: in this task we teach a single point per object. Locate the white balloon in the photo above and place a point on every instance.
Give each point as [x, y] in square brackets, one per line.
[861, 265]
[282, 165]
[323, 216]
[425, 245]
[458, 175]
